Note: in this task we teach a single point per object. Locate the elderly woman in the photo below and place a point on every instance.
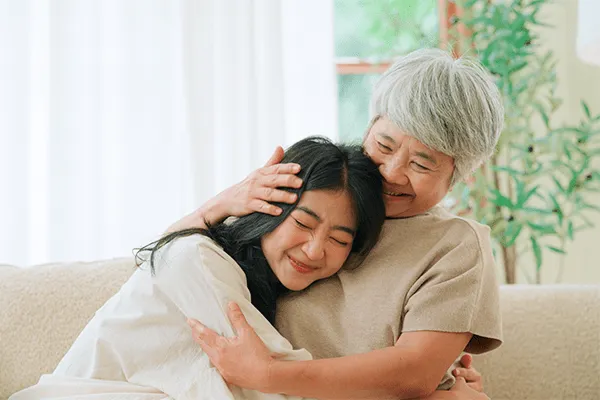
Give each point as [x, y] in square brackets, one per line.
[393, 327]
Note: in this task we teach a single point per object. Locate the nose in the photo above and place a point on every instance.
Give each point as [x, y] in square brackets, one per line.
[314, 248]
[394, 172]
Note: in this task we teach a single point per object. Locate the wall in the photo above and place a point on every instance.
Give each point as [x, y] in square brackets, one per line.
[577, 81]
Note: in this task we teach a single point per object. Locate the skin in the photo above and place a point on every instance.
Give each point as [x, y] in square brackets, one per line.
[314, 241]
[421, 176]
[408, 167]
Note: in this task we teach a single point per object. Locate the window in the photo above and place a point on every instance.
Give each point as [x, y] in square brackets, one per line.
[368, 35]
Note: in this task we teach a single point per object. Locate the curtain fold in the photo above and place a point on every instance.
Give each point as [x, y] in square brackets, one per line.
[117, 118]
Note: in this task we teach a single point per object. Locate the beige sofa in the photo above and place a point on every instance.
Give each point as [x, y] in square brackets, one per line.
[551, 350]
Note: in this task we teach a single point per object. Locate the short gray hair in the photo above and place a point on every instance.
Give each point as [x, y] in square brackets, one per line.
[450, 105]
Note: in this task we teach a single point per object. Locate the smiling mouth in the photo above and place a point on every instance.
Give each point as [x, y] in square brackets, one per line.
[298, 266]
[397, 194]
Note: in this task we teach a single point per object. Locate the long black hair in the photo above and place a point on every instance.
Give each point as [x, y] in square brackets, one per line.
[324, 166]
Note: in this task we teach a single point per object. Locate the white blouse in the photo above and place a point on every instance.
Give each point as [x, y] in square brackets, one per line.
[139, 346]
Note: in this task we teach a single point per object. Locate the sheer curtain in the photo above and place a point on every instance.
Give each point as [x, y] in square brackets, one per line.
[116, 118]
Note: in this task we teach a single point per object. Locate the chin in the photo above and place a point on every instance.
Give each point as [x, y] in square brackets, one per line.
[295, 286]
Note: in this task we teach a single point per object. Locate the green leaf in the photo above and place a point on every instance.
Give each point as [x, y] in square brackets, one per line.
[590, 206]
[567, 151]
[511, 171]
[543, 114]
[558, 185]
[556, 250]
[523, 197]
[512, 233]
[535, 210]
[537, 252]
[557, 208]
[570, 230]
[586, 109]
[544, 229]
[500, 200]
[572, 183]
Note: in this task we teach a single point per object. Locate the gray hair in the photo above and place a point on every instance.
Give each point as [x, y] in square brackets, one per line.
[452, 106]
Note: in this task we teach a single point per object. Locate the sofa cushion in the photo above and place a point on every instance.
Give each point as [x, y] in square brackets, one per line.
[42, 311]
[551, 346]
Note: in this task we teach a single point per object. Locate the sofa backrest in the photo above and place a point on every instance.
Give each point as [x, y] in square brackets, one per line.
[551, 346]
[42, 311]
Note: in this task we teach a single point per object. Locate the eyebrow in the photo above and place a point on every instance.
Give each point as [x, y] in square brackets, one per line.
[316, 216]
[388, 138]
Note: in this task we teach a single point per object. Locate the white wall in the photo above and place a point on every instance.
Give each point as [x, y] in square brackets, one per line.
[577, 81]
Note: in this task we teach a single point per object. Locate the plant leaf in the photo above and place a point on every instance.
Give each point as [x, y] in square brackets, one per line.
[537, 252]
[586, 109]
[556, 250]
[544, 229]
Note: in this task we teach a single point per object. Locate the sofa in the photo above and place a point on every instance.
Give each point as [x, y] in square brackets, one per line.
[551, 349]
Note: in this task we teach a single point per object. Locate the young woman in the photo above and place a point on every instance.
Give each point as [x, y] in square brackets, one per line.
[138, 344]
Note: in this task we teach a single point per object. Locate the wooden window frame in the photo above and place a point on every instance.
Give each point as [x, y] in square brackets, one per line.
[447, 10]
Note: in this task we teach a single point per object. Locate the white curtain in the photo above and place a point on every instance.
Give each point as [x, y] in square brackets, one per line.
[118, 117]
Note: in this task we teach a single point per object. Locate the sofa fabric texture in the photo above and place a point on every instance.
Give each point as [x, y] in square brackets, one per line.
[551, 332]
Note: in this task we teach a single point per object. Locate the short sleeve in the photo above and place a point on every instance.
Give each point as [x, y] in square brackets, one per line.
[459, 291]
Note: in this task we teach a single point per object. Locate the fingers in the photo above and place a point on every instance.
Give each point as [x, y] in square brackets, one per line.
[203, 335]
[264, 207]
[471, 376]
[281, 169]
[276, 157]
[466, 360]
[237, 318]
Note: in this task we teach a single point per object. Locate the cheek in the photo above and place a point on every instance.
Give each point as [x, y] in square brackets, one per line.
[430, 190]
[338, 259]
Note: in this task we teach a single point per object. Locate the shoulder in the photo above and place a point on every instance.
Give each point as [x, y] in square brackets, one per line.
[435, 234]
[467, 228]
[196, 251]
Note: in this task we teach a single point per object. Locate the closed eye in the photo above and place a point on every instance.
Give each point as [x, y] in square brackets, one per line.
[384, 147]
[340, 242]
[301, 225]
[421, 167]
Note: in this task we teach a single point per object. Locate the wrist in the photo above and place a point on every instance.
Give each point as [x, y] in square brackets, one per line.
[212, 212]
[273, 377]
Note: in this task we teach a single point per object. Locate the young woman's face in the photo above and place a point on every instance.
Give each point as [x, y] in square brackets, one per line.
[415, 177]
[314, 241]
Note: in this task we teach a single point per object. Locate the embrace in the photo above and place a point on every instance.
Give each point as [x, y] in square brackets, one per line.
[340, 277]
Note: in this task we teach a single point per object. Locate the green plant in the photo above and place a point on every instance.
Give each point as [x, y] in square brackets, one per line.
[533, 193]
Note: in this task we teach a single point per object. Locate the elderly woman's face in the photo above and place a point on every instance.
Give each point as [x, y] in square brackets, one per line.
[416, 178]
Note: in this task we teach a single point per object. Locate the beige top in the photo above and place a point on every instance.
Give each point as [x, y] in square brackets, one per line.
[429, 272]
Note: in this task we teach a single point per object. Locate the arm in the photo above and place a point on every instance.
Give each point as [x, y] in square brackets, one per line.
[412, 368]
[253, 194]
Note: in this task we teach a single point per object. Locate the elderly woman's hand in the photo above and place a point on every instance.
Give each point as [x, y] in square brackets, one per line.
[244, 360]
[472, 377]
[460, 391]
[260, 188]
[253, 194]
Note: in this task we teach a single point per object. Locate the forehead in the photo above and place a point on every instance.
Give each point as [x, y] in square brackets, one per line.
[385, 129]
[333, 207]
